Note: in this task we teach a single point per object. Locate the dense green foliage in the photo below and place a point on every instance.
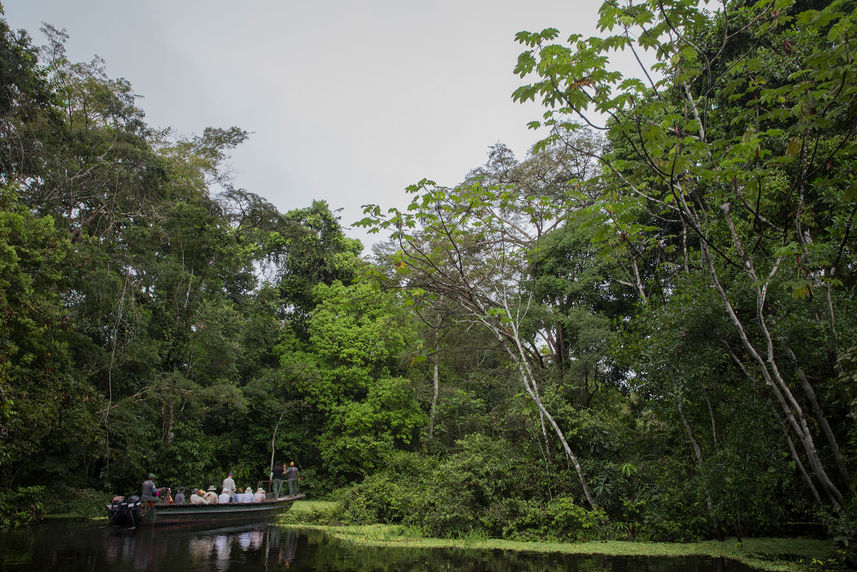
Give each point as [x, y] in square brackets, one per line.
[728, 182]
[642, 334]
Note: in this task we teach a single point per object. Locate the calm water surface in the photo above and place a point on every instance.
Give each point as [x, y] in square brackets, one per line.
[83, 546]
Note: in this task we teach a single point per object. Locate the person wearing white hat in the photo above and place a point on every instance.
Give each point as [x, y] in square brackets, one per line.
[211, 495]
[260, 495]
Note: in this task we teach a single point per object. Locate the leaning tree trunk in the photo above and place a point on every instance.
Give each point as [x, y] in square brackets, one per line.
[518, 355]
[768, 366]
[809, 392]
[434, 377]
[787, 438]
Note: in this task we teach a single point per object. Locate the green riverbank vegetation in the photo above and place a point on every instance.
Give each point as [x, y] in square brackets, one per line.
[760, 553]
[642, 330]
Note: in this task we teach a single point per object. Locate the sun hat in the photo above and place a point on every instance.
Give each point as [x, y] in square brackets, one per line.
[212, 488]
[260, 490]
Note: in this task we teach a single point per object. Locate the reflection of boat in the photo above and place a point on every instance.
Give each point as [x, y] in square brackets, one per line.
[136, 512]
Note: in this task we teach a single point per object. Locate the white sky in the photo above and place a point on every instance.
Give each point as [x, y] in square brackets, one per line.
[346, 101]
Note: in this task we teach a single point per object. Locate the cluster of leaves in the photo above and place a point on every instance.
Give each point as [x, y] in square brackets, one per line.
[22, 506]
[693, 286]
[155, 318]
[477, 489]
[729, 186]
[60, 499]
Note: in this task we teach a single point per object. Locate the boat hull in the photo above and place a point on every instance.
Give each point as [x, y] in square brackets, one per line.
[213, 515]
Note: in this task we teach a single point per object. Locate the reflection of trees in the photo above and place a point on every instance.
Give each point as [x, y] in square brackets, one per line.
[273, 548]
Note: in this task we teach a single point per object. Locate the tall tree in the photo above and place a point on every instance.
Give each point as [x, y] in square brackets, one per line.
[474, 246]
[314, 250]
[739, 135]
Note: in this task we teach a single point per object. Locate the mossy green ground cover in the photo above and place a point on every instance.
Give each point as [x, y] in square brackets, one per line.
[762, 553]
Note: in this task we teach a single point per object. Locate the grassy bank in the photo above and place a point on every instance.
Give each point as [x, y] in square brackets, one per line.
[797, 554]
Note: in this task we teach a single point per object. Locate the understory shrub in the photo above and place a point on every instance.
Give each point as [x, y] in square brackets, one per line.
[78, 503]
[843, 529]
[21, 506]
[478, 490]
[568, 521]
[327, 514]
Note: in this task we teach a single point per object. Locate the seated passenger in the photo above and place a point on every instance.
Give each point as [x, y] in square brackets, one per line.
[211, 495]
[260, 495]
[224, 497]
[248, 495]
[196, 497]
[180, 496]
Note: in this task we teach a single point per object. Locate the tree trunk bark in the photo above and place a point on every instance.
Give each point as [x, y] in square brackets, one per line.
[772, 377]
[711, 417]
[435, 376]
[809, 392]
[518, 355]
[274, 438]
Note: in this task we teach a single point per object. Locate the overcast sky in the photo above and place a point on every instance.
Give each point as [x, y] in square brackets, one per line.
[346, 101]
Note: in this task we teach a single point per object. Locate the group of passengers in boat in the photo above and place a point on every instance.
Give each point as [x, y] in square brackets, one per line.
[198, 496]
[229, 492]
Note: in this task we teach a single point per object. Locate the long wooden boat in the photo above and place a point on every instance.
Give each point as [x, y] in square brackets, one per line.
[135, 512]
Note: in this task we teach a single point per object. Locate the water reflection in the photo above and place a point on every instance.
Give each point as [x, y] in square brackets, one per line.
[286, 547]
[75, 546]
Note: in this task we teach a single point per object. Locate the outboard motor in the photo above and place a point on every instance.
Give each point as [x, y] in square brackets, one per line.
[125, 511]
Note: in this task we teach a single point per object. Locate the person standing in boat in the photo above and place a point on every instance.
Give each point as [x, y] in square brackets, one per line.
[277, 479]
[294, 476]
[148, 491]
[228, 484]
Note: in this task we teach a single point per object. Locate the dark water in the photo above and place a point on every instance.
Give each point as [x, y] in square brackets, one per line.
[81, 546]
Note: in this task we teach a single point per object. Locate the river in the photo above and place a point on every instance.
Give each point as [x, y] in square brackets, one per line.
[76, 546]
